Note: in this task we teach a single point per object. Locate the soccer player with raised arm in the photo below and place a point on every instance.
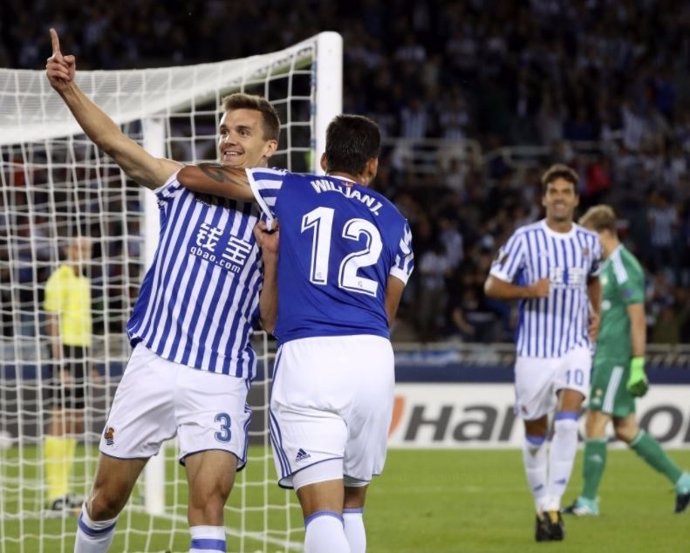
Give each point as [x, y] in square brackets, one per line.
[343, 258]
[618, 376]
[551, 267]
[192, 362]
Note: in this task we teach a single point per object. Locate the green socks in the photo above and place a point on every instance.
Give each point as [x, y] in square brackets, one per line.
[593, 466]
[650, 450]
[594, 463]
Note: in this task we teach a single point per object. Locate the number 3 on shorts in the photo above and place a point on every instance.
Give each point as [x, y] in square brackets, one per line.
[224, 434]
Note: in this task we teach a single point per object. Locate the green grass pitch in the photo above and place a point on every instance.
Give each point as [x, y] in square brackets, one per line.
[452, 501]
[478, 501]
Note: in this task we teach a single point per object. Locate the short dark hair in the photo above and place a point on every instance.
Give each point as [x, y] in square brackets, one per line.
[559, 171]
[240, 100]
[351, 141]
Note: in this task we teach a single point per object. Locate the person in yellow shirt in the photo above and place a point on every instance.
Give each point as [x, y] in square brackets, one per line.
[68, 306]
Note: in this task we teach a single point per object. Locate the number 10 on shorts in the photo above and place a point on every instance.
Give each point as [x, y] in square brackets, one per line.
[575, 376]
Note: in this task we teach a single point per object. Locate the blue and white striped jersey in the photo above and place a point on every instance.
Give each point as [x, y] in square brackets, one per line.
[199, 299]
[339, 243]
[550, 327]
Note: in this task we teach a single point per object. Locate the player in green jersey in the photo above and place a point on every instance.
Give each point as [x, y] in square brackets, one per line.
[618, 375]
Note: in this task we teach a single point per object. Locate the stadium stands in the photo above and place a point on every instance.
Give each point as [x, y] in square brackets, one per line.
[475, 98]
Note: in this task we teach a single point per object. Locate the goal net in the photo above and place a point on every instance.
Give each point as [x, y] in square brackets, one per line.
[55, 185]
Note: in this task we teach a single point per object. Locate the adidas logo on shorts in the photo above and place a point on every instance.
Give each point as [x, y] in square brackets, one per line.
[301, 455]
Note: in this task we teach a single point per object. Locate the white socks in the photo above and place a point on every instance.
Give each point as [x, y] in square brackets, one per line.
[325, 533]
[561, 457]
[548, 469]
[354, 530]
[207, 539]
[93, 536]
[96, 537]
[535, 460]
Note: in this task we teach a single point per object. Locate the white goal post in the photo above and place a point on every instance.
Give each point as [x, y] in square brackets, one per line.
[54, 184]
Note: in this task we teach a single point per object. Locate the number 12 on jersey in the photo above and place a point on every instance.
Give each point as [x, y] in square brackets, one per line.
[321, 221]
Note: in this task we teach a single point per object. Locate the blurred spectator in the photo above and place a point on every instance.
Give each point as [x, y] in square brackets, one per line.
[671, 320]
[450, 237]
[415, 119]
[453, 116]
[663, 220]
[549, 119]
[598, 182]
[433, 268]
[684, 245]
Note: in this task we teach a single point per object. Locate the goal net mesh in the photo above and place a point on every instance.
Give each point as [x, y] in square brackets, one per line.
[54, 185]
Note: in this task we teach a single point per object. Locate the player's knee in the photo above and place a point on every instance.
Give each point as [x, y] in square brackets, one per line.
[354, 497]
[206, 511]
[626, 429]
[537, 427]
[209, 502]
[625, 434]
[594, 428]
[103, 505]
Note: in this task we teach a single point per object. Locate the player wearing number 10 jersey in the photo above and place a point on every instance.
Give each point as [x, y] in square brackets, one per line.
[552, 267]
[343, 258]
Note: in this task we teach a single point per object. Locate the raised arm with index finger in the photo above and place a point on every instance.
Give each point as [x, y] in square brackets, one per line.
[179, 380]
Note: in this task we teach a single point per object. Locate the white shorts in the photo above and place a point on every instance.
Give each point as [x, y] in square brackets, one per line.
[332, 398]
[537, 379]
[157, 399]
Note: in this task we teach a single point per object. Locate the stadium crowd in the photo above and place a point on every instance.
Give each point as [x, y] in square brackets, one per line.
[601, 85]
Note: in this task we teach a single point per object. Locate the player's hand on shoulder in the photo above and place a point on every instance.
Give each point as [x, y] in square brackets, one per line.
[539, 289]
[60, 69]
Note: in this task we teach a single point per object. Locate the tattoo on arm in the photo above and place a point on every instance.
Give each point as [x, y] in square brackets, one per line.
[216, 171]
[220, 180]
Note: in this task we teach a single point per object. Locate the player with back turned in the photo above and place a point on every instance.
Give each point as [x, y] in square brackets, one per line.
[618, 376]
[338, 269]
[551, 266]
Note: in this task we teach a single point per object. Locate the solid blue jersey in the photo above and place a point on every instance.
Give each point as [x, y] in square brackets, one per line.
[339, 243]
[199, 299]
[552, 326]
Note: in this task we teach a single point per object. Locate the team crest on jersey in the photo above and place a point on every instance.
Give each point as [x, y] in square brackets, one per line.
[109, 435]
[585, 252]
